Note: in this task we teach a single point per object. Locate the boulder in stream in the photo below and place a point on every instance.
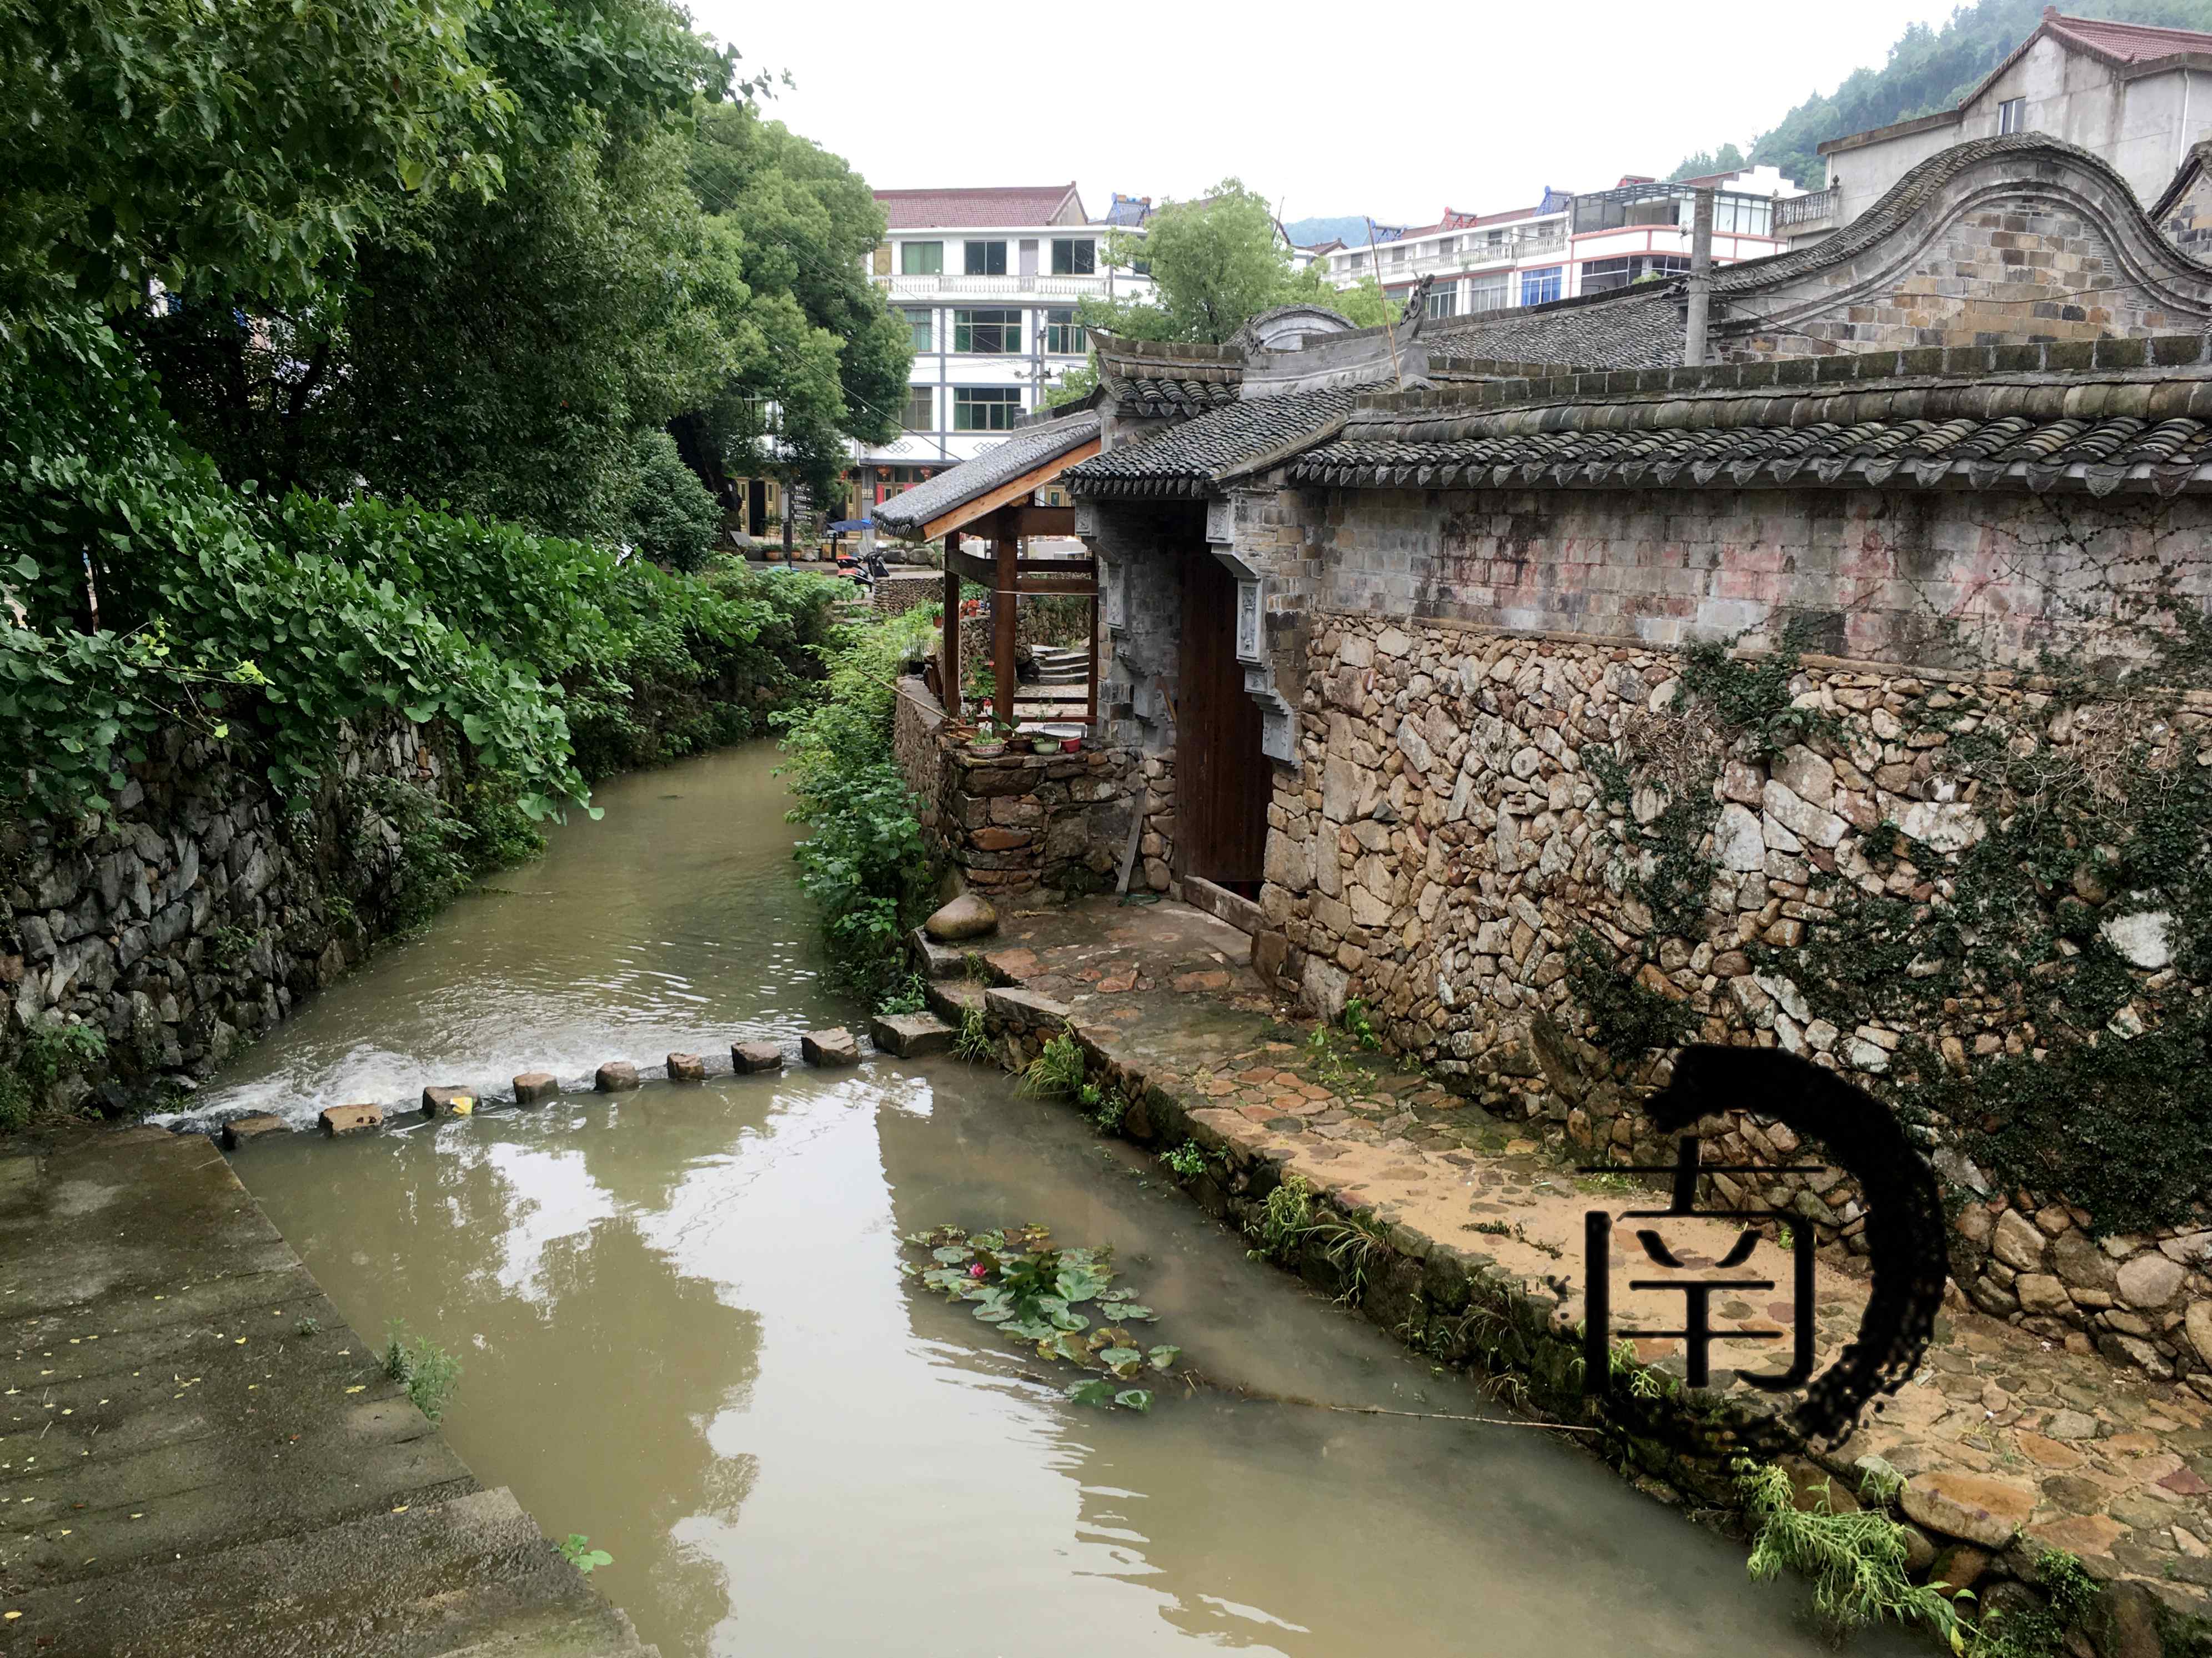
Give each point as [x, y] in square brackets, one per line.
[836, 1045]
[350, 1118]
[968, 916]
[909, 1035]
[239, 1130]
[452, 1102]
[535, 1087]
[686, 1068]
[750, 1057]
[615, 1076]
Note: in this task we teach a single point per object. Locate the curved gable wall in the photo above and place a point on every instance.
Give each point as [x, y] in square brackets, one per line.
[2003, 241]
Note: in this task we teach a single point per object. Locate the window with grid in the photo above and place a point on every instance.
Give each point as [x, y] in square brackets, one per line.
[922, 259]
[1491, 293]
[920, 408]
[1074, 256]
[1356, 262]
[985, 408]
[1063, 337]
[918, 319]
[986, 259]
[1443, 300]
[1743, 215]
[986, 333]
[1541, 287]
[2012, 115]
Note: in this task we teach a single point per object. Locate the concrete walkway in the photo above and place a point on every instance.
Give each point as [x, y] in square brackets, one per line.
[2067, 1450]
[200, 1457]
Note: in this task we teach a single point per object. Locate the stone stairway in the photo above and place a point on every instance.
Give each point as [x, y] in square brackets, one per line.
[197, 1457]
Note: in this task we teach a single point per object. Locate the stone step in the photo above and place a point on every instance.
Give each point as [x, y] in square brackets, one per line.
[950, 998]
[469, 1577]
[937, 961]
[910, 1036]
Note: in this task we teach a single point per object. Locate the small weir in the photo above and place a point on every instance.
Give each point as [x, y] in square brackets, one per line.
[684, 1333]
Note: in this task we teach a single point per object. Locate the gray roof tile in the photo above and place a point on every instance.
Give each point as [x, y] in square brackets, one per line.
[1187, 459]
[1028, 448]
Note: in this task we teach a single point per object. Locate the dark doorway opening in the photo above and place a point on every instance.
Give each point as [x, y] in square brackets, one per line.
[1223, 780]
[757, 506]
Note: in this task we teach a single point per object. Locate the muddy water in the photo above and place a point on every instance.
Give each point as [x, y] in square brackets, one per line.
[685, 1335]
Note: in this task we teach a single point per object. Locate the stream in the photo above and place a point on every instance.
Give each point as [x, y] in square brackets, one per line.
[684, 1333]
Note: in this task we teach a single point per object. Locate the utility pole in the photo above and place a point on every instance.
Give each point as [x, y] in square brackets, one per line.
[1701, 280]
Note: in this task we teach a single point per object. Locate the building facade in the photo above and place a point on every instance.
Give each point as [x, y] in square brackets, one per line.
[1565, 246]
[2137, 98]
[990, 280]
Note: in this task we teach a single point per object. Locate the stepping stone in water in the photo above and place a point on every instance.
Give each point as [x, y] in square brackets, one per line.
[909, 1035]
[448, 1103]
[350, 1118]
[751, 1057]
[535, 1088]
[686, 1068]
[616, 1076]
[239, 1130]
[830, 1048]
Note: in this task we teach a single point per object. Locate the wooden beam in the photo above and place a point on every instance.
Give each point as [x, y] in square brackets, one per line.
[1044, 521]
[1002, 604]
[949, 656]
[1028, 485]
[1082, 567]
[1045, 586]
[970, 567]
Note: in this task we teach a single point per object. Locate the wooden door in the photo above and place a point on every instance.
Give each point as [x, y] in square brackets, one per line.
[1223, 782]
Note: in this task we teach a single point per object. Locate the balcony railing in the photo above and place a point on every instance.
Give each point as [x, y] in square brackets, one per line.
[1798, 211]
[901, 287]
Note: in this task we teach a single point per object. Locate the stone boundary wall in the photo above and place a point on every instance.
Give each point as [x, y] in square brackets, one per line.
[193, 918]
[1020, 821]
[918, 722]
[1447, 842]
[905, 590]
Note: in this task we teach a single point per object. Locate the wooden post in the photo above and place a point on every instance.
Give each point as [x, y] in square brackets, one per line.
[948, 660]
[1002, 615]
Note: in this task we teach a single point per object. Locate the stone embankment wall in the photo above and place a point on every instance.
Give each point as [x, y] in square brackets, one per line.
[905, 590]
[193, 918]
[1490, 835]
[1017, 820]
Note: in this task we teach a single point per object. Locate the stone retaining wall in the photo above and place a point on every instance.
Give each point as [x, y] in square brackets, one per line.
[904, 590]
[1472, 804]
[191, 919]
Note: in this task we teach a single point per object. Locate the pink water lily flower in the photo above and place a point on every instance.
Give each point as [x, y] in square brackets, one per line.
[979, 1271]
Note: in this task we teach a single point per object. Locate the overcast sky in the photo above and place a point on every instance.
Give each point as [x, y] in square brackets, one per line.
[1346, 108]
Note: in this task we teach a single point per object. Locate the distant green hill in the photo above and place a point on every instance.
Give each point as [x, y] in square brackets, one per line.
[1930, 69]
[1309, 232]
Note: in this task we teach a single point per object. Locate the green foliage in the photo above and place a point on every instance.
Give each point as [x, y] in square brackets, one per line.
[974, 1042]
[426, 1370]
[1187, 1161]
[1036, 1295]
[51, 1052]
[1365, 303]
[1358, 1025]
[670, 518]
[576, 1549]
[1706, 163]
[1058, 1068]
[1354, 1246]
[1286, 1215]
[1216, 263]
[2040, 1630]
[243, 144]
[1073, 385]
[16, 1104]
[1753, 698]
[909, 995]
[1631, 1018]
[1107, 1112]
[865, 865]
[1855, 1561]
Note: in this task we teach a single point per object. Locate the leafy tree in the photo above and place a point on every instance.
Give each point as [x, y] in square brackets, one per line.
[670, 517]
[1364, 302]
[240, 146]
[1216, 263]
[1705, 162]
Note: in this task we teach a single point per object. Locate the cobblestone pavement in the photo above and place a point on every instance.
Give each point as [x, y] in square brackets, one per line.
[2073, 1451]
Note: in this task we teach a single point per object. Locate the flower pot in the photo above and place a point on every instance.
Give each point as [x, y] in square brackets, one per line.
[1046, 745]
[1071, 745]
[986, 750]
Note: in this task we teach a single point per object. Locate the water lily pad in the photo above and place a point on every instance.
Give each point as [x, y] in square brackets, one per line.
[1127, 1311]
[1164, 1356]
[1028, 1329]
[952, 1255]
[1134, 1399]
[1121, 1361]
[1094, 1392]
[1080, 1283]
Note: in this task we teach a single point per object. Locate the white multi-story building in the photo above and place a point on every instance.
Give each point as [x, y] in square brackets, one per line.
[989, 280]
[1566, 245]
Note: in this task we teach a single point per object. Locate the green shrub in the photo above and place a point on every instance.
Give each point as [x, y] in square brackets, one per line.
[1631, 1019]
[1855, 1561]
[1058, 1068]
[426, 1370]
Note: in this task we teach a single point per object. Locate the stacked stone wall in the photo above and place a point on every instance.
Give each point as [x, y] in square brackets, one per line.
[1018, 821]
[193, 918]
[1472, 811]
[905, 590]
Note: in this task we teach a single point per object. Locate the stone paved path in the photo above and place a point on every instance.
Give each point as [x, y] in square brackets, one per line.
[198, 1459]
[2107, 1463]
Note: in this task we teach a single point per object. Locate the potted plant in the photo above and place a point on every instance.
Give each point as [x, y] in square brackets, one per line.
[1045, 742]
[987, 743]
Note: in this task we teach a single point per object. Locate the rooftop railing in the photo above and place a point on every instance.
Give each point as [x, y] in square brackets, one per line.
[1796, 211]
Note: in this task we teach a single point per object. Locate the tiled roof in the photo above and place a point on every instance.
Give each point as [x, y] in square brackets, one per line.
[1187, 459]
[1028, 448]
[1627, 330]
[996, 206]
[2137, 428]
[2126, 43]
[1156, 377]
